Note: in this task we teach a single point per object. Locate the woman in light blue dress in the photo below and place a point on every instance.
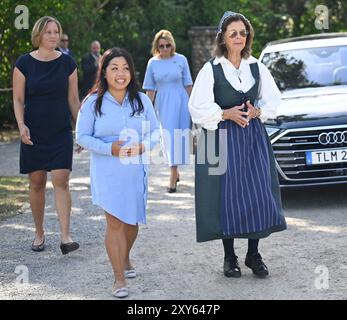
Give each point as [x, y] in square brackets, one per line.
[168, 83]
[117, 124]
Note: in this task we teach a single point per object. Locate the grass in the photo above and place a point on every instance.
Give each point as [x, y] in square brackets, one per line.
[13, 190]
[7, 136]
[13, 194]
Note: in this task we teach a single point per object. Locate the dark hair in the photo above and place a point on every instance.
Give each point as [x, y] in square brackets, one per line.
[220, 48]
[101, 86]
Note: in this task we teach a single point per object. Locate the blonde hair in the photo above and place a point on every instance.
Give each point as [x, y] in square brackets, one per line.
[166, 35]
[40, 27]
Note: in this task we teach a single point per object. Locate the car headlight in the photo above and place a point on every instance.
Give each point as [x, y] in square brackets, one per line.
[271, 131]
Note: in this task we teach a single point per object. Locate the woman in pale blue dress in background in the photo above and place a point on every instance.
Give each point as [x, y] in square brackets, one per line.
[168, 83]
[116, 124]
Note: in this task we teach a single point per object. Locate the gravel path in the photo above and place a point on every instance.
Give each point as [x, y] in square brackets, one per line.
[307, 261]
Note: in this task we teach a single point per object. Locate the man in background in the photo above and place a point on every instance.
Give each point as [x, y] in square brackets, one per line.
[89, 67]
[64, 45]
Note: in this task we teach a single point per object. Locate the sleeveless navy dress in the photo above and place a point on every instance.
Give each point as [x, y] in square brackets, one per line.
[243, 200]
[47, 113]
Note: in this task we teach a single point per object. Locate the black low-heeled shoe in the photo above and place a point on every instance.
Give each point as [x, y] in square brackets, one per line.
[68, 247]
[256, 263]
[38, 247]
[171, 190]
[231, 267]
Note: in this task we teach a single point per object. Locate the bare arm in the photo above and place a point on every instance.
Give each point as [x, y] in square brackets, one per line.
[189, 89]
[151, 94]
[18, 105]
[73, 98]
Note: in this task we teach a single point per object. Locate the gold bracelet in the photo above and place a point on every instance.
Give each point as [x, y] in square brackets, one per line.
[222, 115]
[257, 112]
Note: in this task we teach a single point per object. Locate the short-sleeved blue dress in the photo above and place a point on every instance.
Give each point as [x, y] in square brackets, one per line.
[169, 77]
[47, 113]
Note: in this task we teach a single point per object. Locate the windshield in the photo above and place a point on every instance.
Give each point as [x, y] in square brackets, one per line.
[311, 67]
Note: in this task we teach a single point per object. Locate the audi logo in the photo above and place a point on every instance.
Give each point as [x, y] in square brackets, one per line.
[337, 137]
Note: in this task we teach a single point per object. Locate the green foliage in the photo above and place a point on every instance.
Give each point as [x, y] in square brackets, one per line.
[13, 195]
[133, 23]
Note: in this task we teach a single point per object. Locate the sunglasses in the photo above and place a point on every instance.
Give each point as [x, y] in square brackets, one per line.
[242, 33]
[65, 40]
[167, 46]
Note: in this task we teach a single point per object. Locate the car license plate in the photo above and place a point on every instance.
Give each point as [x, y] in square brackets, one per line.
[326, 156]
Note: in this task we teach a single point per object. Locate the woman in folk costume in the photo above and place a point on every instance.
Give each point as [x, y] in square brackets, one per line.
[238, 196]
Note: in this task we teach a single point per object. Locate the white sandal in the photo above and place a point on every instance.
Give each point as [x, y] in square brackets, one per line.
[130, 273]
[121, 292]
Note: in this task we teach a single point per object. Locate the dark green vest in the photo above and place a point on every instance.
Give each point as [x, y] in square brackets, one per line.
[225, 94]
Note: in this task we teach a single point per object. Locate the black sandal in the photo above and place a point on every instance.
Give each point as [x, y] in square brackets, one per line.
[68, 247]
[38, 247]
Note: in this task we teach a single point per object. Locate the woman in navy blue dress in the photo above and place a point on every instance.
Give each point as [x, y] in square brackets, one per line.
[239, 197]
[45, 96]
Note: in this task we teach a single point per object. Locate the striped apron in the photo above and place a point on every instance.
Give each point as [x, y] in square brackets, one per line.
[243, 200]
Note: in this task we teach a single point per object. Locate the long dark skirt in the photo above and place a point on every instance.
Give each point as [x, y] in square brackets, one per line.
[238, 197]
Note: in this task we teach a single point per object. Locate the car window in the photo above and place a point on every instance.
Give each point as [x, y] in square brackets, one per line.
[313, 67]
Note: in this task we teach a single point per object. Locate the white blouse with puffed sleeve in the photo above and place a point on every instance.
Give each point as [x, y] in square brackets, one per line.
[207, 113]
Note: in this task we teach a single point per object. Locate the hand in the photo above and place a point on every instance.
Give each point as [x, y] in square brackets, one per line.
[251, 110]
[237, 115]
[79, 149]
[133, 150]
[25, 134]
[117, 148]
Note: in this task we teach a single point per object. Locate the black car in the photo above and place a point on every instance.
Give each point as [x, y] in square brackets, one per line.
[309, 133]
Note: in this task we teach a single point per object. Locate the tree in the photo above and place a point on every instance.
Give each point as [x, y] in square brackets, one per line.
[132, 24]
